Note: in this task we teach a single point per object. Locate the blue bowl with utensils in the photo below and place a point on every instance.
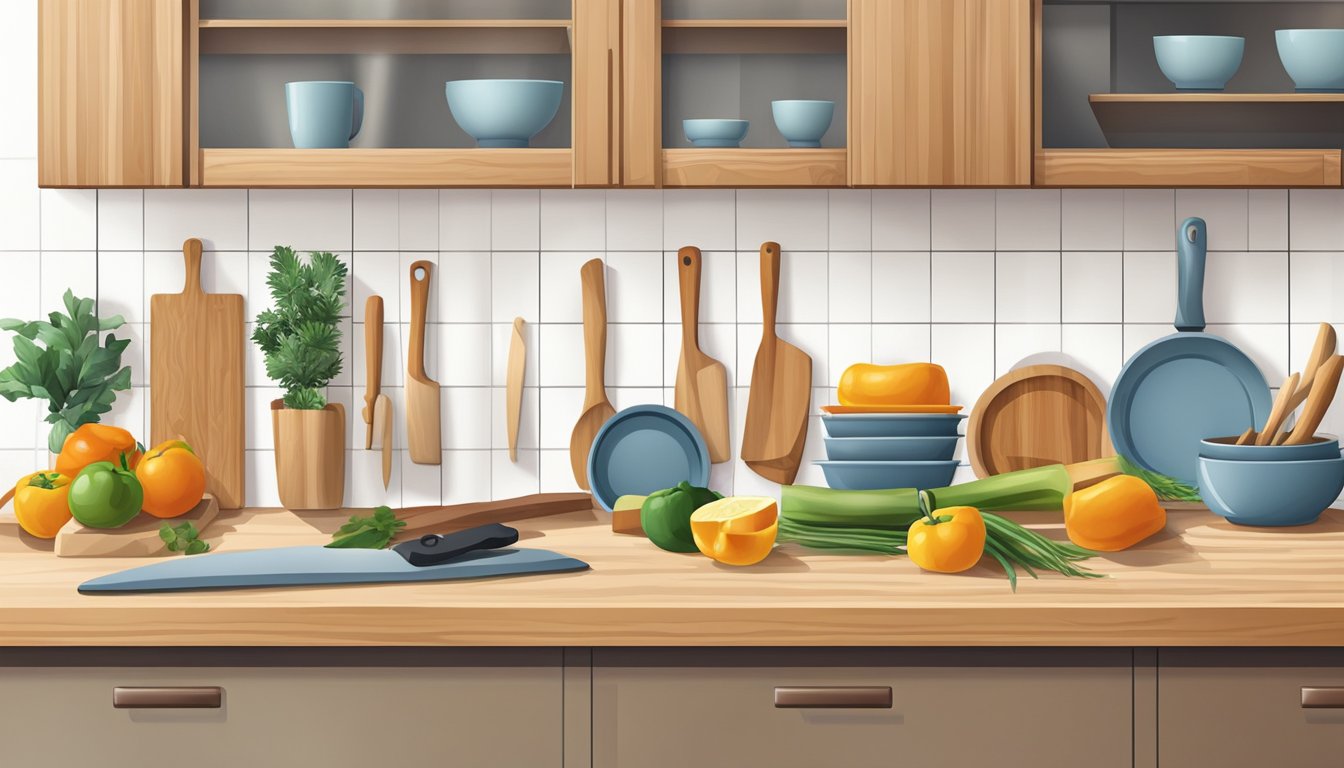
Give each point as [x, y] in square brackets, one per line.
[802, 122]
[1226, 448]
[1314, 58]
[1199, 62]
[503, 113]
[715, 132]
[1270, 493]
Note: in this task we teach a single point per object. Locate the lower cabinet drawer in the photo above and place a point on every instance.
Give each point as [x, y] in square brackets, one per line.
[455, 708]
[955, 708]
[1232, 708]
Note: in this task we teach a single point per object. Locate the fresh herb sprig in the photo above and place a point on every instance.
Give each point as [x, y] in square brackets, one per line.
[373, 532]
[183, 538]
[1166, 488]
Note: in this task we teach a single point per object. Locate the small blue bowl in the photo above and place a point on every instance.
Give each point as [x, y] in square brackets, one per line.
[891, 424]
[715, 132]
[1321, 447]
[878, 475]
[1314, 58]
[891, 448]
[1270, 493]
[1199, 62]
[503, 113]
[802, 121]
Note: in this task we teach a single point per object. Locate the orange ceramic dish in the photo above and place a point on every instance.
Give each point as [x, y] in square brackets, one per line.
[866, 384]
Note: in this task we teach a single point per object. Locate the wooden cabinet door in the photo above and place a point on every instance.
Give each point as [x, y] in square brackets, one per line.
[597, 113]
[940, 92]
[110, 93]
[1231, 707]
[670, 708]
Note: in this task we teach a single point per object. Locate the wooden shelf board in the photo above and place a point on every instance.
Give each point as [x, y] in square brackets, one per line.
[404, 36]
[755, 23]
[387, 167]
[385, 23]
[1199, 97]
[1188, 168]
[754, 167]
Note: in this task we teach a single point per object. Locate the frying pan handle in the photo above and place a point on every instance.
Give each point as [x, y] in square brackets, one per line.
[1192, 247]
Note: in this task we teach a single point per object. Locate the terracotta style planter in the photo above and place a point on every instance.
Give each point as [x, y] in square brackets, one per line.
[309, 456]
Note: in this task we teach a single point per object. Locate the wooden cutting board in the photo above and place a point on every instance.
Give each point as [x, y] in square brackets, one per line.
[701, 392]
[781, 390]
[1034, 416]
[196, 373]
[138, 538]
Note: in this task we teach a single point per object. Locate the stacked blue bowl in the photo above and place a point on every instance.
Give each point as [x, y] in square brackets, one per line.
[869, 451]
[1270, 485]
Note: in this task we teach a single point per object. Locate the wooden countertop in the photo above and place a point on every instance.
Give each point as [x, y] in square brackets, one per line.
[1202, 582]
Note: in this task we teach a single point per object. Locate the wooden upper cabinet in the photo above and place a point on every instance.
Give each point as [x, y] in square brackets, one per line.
[940, 93]
[110, 93]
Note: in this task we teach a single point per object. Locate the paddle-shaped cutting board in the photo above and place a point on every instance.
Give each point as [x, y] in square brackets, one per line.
[781, 390]
[138, 538]
[702, 381]
[196, 377]
[1037, 416]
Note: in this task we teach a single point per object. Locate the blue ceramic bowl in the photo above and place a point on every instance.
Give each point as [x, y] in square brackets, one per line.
[503, 113]
[1314, 58]
[1270, 493]
[891, 424]
[876, 475]
[803, 122]
[1322, 447]
[715, 132]
[891, 448]
[1199, 62]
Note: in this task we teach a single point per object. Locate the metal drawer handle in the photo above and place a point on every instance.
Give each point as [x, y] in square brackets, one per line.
[1323, 698]
[207, 697]
[849, 697]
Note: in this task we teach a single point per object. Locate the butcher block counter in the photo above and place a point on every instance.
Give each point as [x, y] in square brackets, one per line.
[1203, 582]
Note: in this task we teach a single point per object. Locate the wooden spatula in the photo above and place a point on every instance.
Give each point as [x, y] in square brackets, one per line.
[781, 390]
[373, 361]
[1318, 402]
[517, 371]
[596, 407]
[422, 392]
[1320, 352]
[702, 381]
[1279, 412]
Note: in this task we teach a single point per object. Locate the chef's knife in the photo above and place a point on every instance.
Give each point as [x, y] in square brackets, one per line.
[474, 553]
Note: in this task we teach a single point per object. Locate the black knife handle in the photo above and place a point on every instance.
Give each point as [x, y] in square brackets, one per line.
[436, 549]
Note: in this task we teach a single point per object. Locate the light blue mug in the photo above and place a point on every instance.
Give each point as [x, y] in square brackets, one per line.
[324, 114]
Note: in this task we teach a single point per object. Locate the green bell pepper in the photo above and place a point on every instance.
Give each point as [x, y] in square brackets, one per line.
[666, 515]
[104, 495]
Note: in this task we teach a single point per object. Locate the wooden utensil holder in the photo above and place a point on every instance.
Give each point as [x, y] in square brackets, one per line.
[309, 456]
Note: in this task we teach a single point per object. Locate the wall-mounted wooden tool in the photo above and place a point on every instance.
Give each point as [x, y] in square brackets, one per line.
[781, 390]
[702, 381]
[196, 377]
[596, 407]
[517, 371]
[373, 362]
[1318, 402]
[422, 392]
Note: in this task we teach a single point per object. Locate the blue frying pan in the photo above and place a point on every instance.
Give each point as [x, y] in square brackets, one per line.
[1187, 386]
[642, 449]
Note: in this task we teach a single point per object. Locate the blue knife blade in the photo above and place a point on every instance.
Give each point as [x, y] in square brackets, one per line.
[301, 566]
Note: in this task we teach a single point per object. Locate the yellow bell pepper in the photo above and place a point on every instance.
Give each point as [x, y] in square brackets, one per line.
[950, 542]
[42, 503]
[1114, 514]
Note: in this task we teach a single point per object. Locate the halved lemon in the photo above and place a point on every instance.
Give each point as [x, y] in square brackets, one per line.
[738, 530]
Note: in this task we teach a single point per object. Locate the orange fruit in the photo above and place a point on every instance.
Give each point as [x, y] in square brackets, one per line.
[738, 530]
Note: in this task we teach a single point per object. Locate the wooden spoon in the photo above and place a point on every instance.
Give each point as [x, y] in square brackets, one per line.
[596, 407]
[1280, 410]
[1320, 352]
[1318, 402]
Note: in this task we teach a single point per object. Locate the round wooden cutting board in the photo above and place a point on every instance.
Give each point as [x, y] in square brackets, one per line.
[1035, 416]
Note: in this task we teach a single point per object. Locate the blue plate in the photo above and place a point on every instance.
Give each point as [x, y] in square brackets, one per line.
[879, 475]
[891, 424]
[642, 449]
[891, 448]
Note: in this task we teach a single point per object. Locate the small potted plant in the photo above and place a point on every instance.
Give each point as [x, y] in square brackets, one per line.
[301, 339]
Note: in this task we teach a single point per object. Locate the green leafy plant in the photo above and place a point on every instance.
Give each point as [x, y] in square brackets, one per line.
[301, 335]
[1166, 488]
[61, 361]
[182, 538]
[373, 532]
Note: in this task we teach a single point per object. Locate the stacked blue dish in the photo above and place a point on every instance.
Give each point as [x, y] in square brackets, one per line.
[869, 451]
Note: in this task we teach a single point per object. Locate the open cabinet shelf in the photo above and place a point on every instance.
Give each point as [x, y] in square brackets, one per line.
[696, 167]
[386, 167]
[1188, 168]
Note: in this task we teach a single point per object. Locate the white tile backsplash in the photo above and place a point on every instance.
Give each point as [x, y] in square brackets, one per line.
[977, 280]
